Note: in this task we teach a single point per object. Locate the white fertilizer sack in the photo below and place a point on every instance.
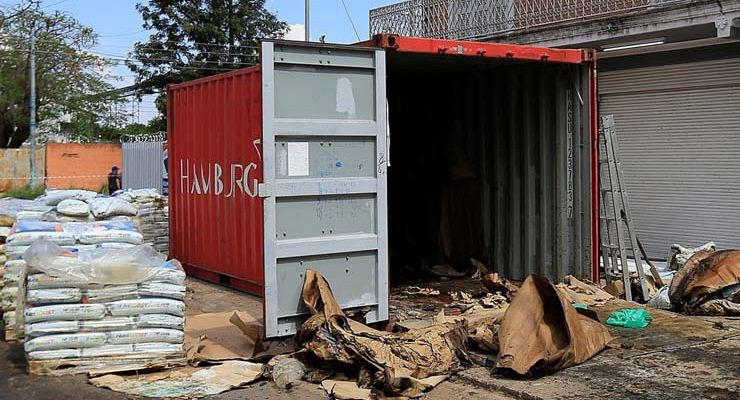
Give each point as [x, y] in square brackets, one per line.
[55, 354]
[105, 325]
[146, 336]
[111, 293]
[67, 341]
[109, 351]
[54, 197]
[146, 306]
[117, 246]
[53, 296]
[111, 236]
[159, 289]
[104, 207]
[73, 208]
[26, 238]
[64, 312]
[160, 321]
[44, 281]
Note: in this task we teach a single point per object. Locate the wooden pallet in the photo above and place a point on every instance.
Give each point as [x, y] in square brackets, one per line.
[104, 365]
[10, 335]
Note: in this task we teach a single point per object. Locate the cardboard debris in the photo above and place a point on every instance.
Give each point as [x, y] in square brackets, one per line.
[418, 291]
[684, 275]
[462, 297]
[395, 362]
[345, 390]
[494, 283]
[718, 307]
[494, 300]
[542, 332]
[702, 279]
[485, 337]
[588, 293]
[615, 288]
[222, 336]
[186, 382]
[481, 269]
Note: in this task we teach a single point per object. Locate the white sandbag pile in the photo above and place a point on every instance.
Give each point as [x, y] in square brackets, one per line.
[72, 236]
[113, 307]
[152, 216]
[85, 205]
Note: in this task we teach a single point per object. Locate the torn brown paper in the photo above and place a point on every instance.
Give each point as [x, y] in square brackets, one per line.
[186, 382]
[542, 332]
[701, 276]
[222, 336]
[494, 283]
[577, 291]
[417, 354]
[345, 390]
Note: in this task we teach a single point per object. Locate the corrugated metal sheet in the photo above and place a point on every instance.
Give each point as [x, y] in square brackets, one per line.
[216, 218]
[142, 164]
[526, 134]
[678, 128]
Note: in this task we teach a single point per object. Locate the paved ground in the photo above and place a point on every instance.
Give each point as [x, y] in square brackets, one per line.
[676, 357]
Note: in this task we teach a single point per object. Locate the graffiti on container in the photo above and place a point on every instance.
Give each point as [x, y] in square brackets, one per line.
[210, 178]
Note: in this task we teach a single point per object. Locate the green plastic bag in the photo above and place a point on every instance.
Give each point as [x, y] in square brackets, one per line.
[630, 318]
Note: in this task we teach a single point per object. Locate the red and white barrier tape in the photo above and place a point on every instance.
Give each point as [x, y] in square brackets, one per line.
[52, 177]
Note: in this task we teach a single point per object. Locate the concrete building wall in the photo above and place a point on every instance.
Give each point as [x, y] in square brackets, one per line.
[15, 167]
[80, 166]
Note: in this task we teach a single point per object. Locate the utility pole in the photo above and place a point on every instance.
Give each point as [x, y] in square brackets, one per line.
[308, 20]
[32, 100]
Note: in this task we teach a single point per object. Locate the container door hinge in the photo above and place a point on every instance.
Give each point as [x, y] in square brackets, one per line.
[264, 190]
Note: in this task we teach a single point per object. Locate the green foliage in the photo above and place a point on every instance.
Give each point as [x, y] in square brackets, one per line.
[70, 78]
[197, 38]
[28, 192]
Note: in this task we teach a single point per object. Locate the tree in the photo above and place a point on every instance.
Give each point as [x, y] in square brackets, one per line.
[70, 79]
[197, 38]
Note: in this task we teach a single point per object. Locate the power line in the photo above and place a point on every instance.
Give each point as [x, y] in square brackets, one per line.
[114, 58]
[53, 4]
[238, 46]
[123, 34]
[350, 21]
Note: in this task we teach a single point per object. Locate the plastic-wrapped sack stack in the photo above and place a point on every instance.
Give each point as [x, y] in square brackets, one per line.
[102, 309]
[152, 216]
[73, 236]
[12, 210]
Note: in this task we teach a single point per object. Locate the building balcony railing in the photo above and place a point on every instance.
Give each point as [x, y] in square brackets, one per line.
[477, 19]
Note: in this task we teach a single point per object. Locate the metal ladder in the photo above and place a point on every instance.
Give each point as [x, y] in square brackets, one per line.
[620, 217]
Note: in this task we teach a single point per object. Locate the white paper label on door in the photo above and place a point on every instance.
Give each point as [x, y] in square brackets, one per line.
[298, 159]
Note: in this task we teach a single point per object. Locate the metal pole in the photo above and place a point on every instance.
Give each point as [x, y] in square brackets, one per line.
[308, 20]
[32, 101]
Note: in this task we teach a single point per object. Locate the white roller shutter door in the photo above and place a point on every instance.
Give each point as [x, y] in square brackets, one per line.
[678, 128]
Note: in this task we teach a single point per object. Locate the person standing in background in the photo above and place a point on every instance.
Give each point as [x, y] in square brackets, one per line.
[114, 180]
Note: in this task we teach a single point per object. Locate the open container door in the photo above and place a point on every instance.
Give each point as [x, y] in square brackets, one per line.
[324, 187]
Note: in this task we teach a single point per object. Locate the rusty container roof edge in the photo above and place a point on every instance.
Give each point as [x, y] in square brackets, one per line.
[479, 49]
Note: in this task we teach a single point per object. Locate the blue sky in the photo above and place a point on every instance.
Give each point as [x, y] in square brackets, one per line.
[119, 25]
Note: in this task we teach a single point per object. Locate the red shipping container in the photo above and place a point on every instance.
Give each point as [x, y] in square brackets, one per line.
[285, 166]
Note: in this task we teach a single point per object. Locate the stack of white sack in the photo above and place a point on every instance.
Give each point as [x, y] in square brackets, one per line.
[152, 216]
[11, 210]
[85, 205]
[102, 303]
[72, 236]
